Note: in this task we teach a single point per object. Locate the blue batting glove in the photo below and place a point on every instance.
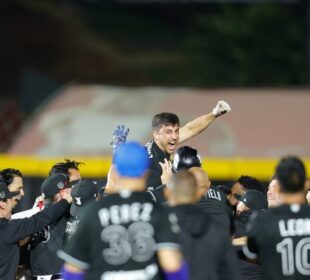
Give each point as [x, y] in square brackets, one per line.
[119, 137]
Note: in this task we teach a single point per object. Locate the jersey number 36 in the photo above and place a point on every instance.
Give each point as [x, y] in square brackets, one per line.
[136, 243]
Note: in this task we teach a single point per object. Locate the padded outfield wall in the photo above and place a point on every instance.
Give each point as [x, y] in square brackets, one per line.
[78, 121]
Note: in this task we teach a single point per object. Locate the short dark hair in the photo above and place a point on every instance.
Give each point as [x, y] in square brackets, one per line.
[62, 167]
[225, 189]
[251, 183]
[7, 175]
[291, 173]
[164, 119]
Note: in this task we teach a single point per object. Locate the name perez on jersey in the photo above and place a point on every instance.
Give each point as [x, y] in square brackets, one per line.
[126, 213]
[294, 227]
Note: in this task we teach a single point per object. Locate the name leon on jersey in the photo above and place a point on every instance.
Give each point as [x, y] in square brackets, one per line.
[294, 227]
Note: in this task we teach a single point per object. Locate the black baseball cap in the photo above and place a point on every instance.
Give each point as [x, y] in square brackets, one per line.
[255, 200]
[82, 193]
[5, 192]
[186, 157]
[54, 183]
[100, 185]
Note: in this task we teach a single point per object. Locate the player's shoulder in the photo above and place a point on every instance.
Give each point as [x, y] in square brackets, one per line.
[162, 210]
[259, 218]
[290, 210]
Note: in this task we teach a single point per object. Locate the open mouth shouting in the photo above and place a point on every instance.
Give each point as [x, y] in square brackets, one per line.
[172, 145]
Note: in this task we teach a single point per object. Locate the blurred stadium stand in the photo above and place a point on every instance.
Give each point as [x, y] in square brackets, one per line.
[10, 122]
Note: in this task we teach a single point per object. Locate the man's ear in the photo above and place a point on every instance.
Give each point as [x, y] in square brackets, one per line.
[307, 185]
[199, 194]
[167, 193]
[209, 184]
[2, 204]
[155, 134]
[277, 188]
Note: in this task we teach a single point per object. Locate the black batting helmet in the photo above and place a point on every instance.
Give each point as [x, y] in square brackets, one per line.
[186, 157]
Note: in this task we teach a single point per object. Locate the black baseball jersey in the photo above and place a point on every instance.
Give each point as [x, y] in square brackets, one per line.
[280, 238]
[12, 231]
[214, 200]
[248, 270]
[215, 204]
[156, 155]
[158, 194]
[71, 227]
[118, 236]
[43, 256]
[206, 247]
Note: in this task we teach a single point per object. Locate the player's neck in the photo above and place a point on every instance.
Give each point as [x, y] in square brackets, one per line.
[5, 215]
[131, 184]
[160, 147]
[181, 201]
[292, 198]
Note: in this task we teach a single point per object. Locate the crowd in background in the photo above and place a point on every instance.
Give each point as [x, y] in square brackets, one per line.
[157, 218]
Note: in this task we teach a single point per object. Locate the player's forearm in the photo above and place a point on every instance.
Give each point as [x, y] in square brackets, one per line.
[241, 241]
[173, 265]
[72, 272]
[196, 126]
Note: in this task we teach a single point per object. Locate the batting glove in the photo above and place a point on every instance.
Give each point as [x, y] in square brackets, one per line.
[221, 108]
[119, 137]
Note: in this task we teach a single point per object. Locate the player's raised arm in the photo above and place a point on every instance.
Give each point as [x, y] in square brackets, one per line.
[201, 123]
[119, 137]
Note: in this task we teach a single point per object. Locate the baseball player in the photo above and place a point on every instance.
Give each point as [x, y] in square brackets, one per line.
[126, 235]
[280, 237]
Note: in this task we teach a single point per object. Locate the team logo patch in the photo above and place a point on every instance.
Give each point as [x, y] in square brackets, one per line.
[78, 201]
[46, 235]
[60, 185]
[2, 194]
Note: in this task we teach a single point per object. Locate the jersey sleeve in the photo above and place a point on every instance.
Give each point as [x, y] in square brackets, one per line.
[18, 229]
[77, 250]
[167, 233]
[157, 194]
[253, 229]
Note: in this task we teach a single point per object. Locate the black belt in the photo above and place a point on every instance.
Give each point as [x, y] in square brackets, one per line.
[57, 276]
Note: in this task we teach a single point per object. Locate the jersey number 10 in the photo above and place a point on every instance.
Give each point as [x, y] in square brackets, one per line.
[291, 260]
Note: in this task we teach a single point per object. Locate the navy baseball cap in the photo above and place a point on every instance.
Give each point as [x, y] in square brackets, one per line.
[82, 193]
[255, 200]
[131, 160]
[54, 183]
[5, 192]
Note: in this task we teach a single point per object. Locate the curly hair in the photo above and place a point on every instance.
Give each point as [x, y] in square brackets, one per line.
[251, 183]
[63, 167]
